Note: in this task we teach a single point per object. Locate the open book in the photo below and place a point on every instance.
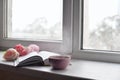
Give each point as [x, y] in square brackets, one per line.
[35, 58]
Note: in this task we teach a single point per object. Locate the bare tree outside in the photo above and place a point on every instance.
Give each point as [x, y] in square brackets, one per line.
[101, 29]
[107, 35]
[39, 19]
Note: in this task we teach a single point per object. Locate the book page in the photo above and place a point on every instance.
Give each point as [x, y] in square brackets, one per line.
[27, 56]
[22, 58]
[45, 54]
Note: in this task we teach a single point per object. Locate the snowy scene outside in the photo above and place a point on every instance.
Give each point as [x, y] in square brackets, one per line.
[36, 19]
[101, 25]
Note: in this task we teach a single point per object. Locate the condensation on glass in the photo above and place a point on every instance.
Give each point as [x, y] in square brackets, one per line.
[35, 19]
[101, 25]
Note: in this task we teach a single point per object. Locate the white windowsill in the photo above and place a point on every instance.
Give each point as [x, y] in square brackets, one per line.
[78, 70]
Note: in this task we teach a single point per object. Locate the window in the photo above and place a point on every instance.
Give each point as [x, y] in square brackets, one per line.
[42, 22]
[101, 25]
[83, 24]
[35, 19]
[96, 30]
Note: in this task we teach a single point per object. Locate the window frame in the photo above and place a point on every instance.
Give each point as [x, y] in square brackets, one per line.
[72, 35]
[64, 46]
[78, 52]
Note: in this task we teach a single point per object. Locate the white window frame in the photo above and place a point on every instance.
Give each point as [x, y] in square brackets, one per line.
[78, 52]
[64, 46]
[72, 35]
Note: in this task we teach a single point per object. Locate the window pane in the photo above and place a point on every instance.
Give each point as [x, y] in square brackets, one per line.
[35, 19]
[101, 25]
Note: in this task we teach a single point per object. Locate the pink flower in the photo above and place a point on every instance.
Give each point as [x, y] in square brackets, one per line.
[33, 47]
[11, 54]
[21, 49]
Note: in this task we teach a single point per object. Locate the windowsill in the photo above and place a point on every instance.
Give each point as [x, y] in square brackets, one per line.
[78, 70]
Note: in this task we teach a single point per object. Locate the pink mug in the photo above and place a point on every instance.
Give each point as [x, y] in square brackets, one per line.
[59, 62]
